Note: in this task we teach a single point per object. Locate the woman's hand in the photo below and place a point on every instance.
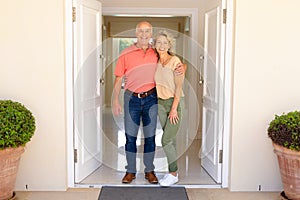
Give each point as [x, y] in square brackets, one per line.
[173, 116]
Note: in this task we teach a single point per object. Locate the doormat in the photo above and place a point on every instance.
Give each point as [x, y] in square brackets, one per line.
[142, 193]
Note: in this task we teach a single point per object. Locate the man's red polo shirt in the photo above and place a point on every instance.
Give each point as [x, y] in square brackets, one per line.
[138, 67]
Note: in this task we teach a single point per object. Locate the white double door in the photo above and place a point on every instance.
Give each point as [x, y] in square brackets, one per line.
[87, 88]
[213, 93]
[88, 91]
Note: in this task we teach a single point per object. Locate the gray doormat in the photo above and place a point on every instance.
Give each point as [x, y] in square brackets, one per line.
[142, 193]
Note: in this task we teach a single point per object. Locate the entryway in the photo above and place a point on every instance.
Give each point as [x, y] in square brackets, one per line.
[98, 136]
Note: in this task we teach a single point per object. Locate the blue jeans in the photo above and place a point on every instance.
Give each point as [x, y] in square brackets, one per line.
[137, 110]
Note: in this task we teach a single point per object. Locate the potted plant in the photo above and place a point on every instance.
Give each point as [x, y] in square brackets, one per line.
[17, 126]
[284, 131]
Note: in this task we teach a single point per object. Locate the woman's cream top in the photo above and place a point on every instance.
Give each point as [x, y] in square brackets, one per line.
[168, 84]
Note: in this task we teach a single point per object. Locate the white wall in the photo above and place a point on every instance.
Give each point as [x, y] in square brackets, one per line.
[32, 72]
[266, 71]
[266, 76]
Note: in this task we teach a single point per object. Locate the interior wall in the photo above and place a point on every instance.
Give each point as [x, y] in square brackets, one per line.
[154, 4]
[32, 72]
[266, 74]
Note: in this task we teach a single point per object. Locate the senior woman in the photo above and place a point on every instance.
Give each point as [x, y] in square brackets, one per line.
[169, 91]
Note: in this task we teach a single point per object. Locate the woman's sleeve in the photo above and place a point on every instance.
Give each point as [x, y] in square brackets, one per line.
[178, 79]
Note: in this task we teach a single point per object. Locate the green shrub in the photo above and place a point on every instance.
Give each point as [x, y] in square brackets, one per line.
[17, 124]
[284, 130]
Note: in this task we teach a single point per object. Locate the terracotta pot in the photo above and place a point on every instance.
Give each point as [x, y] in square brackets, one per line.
[9, 163]
[289, 165]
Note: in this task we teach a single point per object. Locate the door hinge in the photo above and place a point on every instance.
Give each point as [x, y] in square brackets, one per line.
[224, 16]
[75, 156]
[221, 156]
[74, 14]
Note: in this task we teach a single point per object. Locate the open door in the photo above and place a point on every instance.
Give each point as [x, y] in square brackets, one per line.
[87, 27]
[213, 88]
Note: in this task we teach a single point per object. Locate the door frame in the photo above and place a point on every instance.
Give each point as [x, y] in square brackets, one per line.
[69, 92]
[193, 13]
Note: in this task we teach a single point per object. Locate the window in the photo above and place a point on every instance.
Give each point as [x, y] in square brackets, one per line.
[124, 43]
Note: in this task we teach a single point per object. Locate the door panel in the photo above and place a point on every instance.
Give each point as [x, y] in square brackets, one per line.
[87, 89]
[213, 74]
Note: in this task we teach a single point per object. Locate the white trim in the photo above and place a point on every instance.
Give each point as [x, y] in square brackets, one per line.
[229, 5]
[148, 11]
[69, 91]
[151, 12]
[147, 185]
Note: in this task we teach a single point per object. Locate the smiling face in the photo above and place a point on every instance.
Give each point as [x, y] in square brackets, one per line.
[162, 44]
[143, 34]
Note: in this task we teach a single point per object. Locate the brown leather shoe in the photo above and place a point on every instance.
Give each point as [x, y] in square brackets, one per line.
[128, 178]
[150, 176]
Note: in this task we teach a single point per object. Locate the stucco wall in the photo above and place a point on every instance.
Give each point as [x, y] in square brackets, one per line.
[32, 72]
[266, 72]
[266, 76]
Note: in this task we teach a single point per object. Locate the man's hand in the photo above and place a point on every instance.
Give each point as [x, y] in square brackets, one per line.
[117, 108]
[180, 69]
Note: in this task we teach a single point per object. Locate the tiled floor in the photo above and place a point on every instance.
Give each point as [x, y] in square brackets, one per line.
[190, 171]
[114, 160]
[193, 194]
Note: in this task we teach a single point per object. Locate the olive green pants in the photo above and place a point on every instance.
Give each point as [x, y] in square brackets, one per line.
[169, 131]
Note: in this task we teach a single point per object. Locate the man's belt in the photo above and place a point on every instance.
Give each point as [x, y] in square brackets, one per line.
[144, 94]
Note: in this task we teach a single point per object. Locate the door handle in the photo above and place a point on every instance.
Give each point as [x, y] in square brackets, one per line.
[101, 81]
[201, 82]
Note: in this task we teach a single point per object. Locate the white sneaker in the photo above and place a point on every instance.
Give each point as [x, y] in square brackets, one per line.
[169, 180]
[165, 176]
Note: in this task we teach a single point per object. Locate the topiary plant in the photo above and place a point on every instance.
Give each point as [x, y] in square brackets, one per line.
[284, 130]
[17, 124]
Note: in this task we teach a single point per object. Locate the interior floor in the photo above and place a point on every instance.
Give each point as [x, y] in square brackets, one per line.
[114, 161]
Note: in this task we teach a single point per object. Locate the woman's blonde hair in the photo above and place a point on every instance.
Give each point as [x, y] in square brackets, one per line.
[170, 39]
